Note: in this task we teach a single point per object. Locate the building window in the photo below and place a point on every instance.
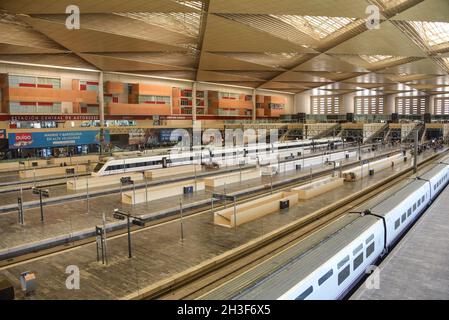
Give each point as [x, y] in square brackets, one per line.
[369, 105]
[33, 82]
[88, 85]
[325, 104]
[441, 106]
[411, 105]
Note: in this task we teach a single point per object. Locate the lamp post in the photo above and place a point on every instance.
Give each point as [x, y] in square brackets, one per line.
[42, 193]
[120, 215]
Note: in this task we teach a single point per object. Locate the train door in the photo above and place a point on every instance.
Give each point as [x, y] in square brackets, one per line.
[164, 162]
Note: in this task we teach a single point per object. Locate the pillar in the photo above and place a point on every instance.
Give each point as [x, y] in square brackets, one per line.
[254, 113]
[194, 102]
[348, 103]
[302, 103]
[390, 104]
[431, 109]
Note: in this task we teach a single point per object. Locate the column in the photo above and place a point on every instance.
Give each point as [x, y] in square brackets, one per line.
[302, 103]
[390, 104]
[254, 113]
[431, 104]
[194, 102]
[348, 103]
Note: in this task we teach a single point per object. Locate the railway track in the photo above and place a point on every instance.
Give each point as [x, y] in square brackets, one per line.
[116, 190]
[197, 281]
[250, 195]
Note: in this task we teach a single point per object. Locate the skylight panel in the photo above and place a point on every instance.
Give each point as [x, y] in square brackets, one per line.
[318, 27]
[180, 22]
[433, 33]
[392, 3]
[375, 58]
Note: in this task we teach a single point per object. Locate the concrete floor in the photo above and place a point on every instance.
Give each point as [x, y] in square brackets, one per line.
[72, 216]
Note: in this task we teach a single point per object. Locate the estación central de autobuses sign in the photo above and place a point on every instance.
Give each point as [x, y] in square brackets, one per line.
[72, 117]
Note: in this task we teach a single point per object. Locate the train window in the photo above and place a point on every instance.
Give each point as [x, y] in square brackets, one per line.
[409, 212]
[99, 166]
[358, 261]
[370, 249]
[371, 237]
[414, 206]
[343, 262]
[343, 274]
[423, 198]
[360, 247]
[305, 294]
[396, 224]
[403, 217]
[325, 277]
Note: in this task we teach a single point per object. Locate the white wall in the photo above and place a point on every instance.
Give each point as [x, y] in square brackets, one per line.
[390, 103]
[348, 103]
[302, 103]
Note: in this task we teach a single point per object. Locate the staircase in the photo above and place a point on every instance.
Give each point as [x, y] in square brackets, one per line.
[379, 134]
[422, 134]
[411, 135]
[330, 132]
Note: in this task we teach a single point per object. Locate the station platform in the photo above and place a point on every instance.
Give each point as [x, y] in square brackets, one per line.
[77, 217]
[418, 267]
[158, 251]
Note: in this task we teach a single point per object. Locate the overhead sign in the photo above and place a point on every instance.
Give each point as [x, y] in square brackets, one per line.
[54, 139]
[65, 117]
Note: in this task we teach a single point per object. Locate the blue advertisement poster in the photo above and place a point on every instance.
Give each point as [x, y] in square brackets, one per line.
[55, 139]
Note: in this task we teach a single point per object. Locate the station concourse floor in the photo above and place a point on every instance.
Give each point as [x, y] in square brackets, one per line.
[71, 216]
[418, 266]
[158, 252]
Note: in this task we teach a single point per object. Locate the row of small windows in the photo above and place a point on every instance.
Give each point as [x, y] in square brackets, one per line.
[407, 214]
[33, 82]
[440, 182]
[346, 271]
[325, 104]
[442, 106]
[411, 105]
[369, 105]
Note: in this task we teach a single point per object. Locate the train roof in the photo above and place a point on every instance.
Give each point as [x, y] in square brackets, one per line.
[296, 263]
[388, 204]
[434, 171]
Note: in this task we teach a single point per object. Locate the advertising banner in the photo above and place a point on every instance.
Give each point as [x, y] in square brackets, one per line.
[2, 134]
[55, 139]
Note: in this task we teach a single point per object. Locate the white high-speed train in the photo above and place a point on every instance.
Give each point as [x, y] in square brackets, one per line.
[256, 153]
[331, 268]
